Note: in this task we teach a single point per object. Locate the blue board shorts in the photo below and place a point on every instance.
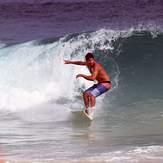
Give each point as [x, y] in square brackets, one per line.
[98, 89]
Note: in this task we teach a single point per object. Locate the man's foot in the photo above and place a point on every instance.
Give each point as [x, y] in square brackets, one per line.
[90, 111]
[86, 111]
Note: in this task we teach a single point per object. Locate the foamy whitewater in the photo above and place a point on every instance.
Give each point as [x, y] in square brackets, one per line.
[37, 90]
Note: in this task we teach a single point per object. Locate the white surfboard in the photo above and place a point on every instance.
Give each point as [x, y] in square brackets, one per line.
[88, 116]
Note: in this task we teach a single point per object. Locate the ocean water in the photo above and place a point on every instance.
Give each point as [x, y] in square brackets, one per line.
[37, 90]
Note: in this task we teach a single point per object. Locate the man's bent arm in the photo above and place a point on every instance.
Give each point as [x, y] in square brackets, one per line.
[75, 62]
[88, 77]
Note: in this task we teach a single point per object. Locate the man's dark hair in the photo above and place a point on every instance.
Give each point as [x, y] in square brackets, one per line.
[89, 55]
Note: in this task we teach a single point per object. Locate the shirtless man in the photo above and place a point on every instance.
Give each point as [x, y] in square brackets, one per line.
[97, 73]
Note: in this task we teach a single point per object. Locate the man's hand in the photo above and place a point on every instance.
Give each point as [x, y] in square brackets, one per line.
[67, 62]
[79, 75]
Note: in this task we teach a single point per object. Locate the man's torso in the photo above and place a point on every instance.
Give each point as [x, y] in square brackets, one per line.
[101, 73]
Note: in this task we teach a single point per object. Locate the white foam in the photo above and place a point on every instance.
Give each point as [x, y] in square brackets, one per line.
[132, 154]
[47, 112]
[33, 74]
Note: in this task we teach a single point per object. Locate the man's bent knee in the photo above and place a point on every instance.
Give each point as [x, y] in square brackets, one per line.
[86, 94]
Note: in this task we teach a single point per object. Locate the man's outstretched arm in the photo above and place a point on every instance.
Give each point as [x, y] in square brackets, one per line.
[75, 62]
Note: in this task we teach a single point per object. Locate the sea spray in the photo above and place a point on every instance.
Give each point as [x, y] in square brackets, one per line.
[34, 73]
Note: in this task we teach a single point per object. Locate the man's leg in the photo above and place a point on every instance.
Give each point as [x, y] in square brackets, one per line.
[89, 101]
[92, 100]
[86, 99]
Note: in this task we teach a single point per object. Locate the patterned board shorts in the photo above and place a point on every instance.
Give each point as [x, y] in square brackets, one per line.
[98, 89]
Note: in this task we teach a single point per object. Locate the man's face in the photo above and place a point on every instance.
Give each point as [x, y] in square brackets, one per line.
[90, 62]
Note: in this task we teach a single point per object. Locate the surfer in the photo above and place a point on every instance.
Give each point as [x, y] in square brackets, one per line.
[99, 74]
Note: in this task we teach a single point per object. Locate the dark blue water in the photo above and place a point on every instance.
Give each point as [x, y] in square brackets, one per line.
[29, 20]
[37, 90]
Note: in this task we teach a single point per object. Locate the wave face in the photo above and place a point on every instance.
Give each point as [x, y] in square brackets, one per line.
[140, 60]
[34, 72]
